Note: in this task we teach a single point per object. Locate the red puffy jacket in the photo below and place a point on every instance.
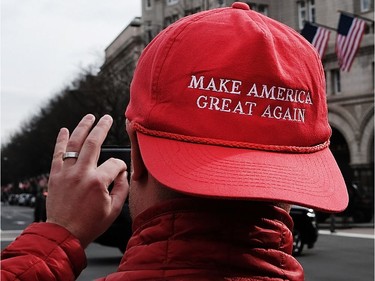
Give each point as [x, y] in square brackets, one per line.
[43, 252]
[199, 240]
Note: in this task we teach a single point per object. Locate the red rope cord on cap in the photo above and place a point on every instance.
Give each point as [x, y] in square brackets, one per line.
[235, 144]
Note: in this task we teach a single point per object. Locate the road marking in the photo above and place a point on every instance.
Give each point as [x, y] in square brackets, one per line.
[20, 222]
[347, 234]
[9, 235]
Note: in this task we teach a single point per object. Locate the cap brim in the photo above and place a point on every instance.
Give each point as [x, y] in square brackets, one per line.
[312, 180]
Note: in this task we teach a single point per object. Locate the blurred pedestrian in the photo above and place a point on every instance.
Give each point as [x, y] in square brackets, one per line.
[228, 126]
[40, 212]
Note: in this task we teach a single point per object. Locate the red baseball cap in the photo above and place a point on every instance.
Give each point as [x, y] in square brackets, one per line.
[228, 103]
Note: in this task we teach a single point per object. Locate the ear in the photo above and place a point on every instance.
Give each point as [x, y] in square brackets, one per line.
[139, 170]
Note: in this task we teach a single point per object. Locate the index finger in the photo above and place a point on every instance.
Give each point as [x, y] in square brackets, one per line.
[91, 147]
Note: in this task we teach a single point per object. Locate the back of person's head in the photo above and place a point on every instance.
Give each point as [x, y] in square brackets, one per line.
[231, 104]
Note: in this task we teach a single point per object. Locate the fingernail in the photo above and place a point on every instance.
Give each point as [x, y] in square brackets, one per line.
[107, 117]
[90, 117]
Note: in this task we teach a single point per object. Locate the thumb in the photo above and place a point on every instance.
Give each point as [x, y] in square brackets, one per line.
[119, 192]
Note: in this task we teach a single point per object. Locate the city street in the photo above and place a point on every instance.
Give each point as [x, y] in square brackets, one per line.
[346, 255]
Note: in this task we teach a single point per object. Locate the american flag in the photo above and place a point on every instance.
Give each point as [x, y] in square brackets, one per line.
[349, 36]
[317, 36]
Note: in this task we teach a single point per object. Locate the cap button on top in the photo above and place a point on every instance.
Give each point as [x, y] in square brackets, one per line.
[240, 5]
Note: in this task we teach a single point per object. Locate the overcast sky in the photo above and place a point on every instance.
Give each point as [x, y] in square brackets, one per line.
[46, 43]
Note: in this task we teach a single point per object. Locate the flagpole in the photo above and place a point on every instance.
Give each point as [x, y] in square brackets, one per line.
[321, 25]
[358, 16]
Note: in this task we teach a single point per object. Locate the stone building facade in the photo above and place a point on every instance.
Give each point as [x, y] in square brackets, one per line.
[350, 95]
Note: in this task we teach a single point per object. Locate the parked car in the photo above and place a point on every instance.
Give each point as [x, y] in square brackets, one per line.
[13, 199]
[305, 230]
[32, 201]
[360, 207]
[361, 204]
[24, 199]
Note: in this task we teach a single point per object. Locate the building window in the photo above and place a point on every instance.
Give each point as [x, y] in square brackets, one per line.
[373, 73]
[306, 12]
[326, 81]
[365, 5]
[301, 13]
[260, 8]
[192, 11]
[171, 19]
[172, 2]
[335, 81]
[263, 9]
[148, 4]
[311, 6]
[148, 31]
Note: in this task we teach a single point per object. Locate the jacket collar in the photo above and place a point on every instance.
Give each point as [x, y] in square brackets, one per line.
[230, 239]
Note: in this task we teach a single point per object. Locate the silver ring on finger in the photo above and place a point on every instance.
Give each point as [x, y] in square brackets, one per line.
[70, 154]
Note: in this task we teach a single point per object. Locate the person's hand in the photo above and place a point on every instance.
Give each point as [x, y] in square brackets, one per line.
[78, 197]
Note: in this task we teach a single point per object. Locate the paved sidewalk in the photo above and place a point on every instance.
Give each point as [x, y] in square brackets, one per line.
[346, 227]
